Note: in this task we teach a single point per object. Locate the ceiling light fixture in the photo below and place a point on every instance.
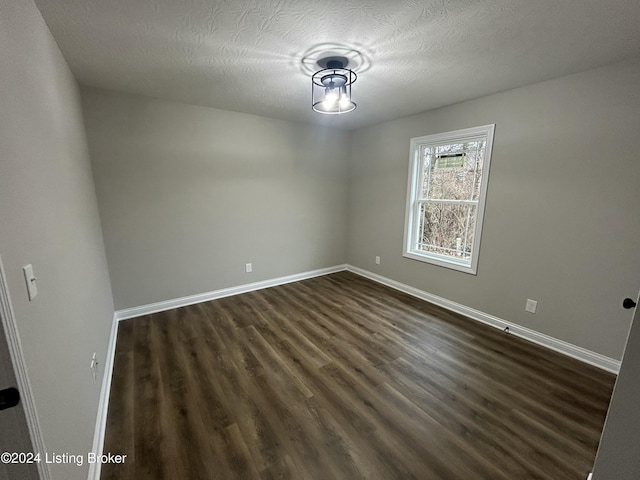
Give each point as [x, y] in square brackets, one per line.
[331, 87]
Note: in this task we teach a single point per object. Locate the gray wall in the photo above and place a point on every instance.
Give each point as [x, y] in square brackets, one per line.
[561, 221]
[188, 195]
[49, 218]
[619, 451]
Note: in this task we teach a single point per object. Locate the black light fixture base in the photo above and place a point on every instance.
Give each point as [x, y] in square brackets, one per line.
[333, 62]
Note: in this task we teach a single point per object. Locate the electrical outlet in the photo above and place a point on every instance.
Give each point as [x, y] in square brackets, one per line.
[248, 268]
[377, 260]
[531, 306]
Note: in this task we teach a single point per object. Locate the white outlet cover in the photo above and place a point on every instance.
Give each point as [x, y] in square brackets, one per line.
[531, 306]
[248, 268]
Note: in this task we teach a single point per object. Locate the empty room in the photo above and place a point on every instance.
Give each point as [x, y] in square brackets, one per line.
[319, 240]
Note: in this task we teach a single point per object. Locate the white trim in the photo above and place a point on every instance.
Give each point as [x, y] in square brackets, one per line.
[20, 369]
[590, 476]
[415, 179]
[103, 404]
[224, 292]
[579, 353]
[442, 261]
[574, 351]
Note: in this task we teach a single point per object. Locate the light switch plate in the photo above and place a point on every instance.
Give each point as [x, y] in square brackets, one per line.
[30, 278]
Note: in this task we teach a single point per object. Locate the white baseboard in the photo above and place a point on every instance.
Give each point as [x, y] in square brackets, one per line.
[224, 292]
[103, 404]
[574, 351]
[579, 353]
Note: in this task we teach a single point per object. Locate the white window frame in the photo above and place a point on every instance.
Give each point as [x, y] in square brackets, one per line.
[412, 207]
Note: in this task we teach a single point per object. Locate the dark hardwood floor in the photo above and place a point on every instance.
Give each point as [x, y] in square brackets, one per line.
[338, 377]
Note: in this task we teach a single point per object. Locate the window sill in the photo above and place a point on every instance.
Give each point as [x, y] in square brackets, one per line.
[442, 262]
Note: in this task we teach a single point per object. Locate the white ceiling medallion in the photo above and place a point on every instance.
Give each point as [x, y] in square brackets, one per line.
[331, 86]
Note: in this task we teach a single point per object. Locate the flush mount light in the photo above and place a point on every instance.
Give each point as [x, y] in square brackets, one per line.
[331, 87]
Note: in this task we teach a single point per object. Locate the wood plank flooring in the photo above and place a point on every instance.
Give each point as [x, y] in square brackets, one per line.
[338, 377]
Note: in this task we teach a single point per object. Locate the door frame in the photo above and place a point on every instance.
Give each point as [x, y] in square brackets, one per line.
[10, 330]
[614, 444]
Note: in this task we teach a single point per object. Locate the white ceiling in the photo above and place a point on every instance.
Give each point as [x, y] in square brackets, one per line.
[247, 55]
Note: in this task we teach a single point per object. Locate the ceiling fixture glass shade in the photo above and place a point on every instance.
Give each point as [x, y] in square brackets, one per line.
[331, 87]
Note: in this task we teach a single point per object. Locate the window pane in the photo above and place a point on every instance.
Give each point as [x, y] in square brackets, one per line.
[453, 172]
[446, 197]
[447, 229]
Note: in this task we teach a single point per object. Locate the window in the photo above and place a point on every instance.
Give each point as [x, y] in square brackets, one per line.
[448, 176]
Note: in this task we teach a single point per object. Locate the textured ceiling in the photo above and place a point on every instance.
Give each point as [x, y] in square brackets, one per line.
[249, 55]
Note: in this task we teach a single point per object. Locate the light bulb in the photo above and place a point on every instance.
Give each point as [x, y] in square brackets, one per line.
[344, 101]
[330, 96]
